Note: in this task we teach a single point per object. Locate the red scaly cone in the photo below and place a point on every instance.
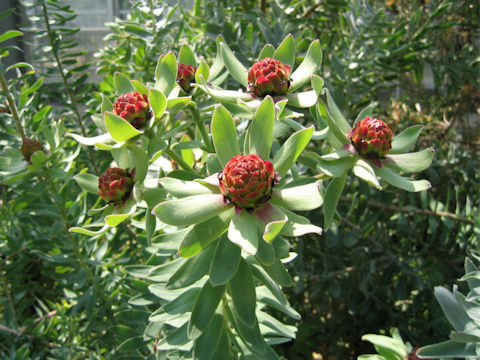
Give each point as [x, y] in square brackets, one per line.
[115, 185]
[30, 146]
[133, 107]
[269, 77]
[247, 181]
[186, 76]
[372, 138]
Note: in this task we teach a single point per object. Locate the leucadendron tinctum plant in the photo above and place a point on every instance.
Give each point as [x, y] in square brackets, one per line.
[231, 226]
[216, 191]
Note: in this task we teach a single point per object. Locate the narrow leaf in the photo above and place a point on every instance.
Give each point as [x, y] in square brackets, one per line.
[234, 66]
[120, 129]
[332, 195]
[204, 308]
[224, 135]
[225, 261]
[242, 290]
[261, 133]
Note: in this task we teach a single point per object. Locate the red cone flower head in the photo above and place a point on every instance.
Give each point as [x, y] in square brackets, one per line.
[372, 138]
[134, 108]
[115, 185]
[29, 146]
[186, 76]
[247, 181]
[269, 77]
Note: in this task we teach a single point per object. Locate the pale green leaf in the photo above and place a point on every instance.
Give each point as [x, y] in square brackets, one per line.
[224, 135]
[261, 133]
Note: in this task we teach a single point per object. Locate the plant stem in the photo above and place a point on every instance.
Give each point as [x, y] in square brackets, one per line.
[154, 21]
[68, 88]
[11, 104]
[180, 161]
[203, 132]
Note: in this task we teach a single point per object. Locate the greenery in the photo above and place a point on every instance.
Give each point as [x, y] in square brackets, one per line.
[342, 245]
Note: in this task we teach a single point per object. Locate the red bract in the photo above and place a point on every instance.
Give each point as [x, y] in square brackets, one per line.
[115, 185]
[133, 107]
[269, 77]
[372, 138]
[29, 146]
[247, 181]
[186, 76]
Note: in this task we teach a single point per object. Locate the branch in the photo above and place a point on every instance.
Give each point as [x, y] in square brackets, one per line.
[404, 210]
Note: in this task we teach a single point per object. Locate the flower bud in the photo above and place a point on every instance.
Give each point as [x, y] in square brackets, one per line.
[372, 138]
[115, 185]
[247, 181]
[133, 107]
[269, 77]
[29, 146]
[186, 76]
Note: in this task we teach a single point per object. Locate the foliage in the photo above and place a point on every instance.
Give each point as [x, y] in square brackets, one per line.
[462, 313]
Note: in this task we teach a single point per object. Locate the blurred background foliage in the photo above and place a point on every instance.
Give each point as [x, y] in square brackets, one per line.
[66, 296]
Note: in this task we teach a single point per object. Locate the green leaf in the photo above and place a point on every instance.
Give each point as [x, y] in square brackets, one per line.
[142, 89]
[139, 161]
[337, 116]
[261, 133]
[204, 308]
[402, 182]
[273, 218]
[387, 346]
[310, 64]
[166, 73]
[182, 188]
[202, 72]
[242, 291]
[120, 129]
[234, 66]
[364, 171]
[186, 56]
[182, 303]
[331, 197]
[285, 52]
[106, 104]
[207, 344]
[298, 225]
[121, 213]
[132, 315]
[453, 310]
[225, 261]
[203, 234]
[278, 273]
[267, 51]
[9, 35]
[410, 162]
[224, 135]
[158, 102]
[177, 104]
[265, 253]
[406, 139]
[302, 99]
[243, 232]
[371, 357]
[225, 96]
[132, 343]
[291, 150]
[251, 336]
[87, 231]
[448, 348]
[122, 84]
[191, 270]
[190, 210]
[335, 168]
[88, 182]
[366, 111]
[95, 140]
[304, 197]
